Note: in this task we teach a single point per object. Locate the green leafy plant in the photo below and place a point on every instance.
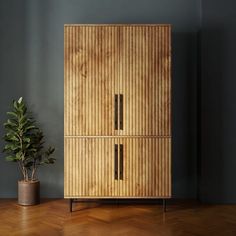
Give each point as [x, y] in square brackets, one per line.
[25, 141]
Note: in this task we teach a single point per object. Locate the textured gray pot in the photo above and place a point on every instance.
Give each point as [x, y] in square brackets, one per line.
[28, 192]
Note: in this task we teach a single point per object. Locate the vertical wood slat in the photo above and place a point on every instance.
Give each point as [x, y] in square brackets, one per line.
[169, 79]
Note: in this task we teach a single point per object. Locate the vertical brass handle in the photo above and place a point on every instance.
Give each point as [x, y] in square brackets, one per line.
[116, 112]
[121, 111]
[121, 161]
[116, 161]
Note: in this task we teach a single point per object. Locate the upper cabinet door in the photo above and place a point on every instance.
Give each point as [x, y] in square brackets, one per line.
[145, 80]
[91, 80]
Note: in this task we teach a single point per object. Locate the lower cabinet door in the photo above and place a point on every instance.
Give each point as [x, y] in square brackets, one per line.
[117, 167]
[145, 166]
[91, 167]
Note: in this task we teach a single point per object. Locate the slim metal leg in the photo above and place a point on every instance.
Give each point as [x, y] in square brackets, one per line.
[71, 205]
[164, 205]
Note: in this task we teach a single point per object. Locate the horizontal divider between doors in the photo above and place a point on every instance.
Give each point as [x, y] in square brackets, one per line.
[117, 136]
[116, 196]
[122, 25]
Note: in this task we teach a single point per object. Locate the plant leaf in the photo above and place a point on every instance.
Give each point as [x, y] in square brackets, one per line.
[27, 140]
[12, 113]
[15, 104]
[11, 158]
[30, 127]
[20, 100]
[19, 155]
[11, 146]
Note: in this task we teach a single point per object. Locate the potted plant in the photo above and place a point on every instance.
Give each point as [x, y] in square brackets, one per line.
[25, 146]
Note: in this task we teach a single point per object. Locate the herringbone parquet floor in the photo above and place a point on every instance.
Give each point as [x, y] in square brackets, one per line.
[52, 217]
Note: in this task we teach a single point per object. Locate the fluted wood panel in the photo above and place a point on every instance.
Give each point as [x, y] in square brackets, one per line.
[101, 61]
[144, 80]
[91, 79]
[147, 167]
[89, 167]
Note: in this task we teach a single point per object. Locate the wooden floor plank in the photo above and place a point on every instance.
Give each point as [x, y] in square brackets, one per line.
[52, 217]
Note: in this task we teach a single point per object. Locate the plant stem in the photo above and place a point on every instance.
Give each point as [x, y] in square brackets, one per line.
[33, 172]
[25, 172]
[21, 169]
[26, 175]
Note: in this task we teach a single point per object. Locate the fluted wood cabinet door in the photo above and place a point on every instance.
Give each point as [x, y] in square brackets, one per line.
[91, 79]
[144, 79]
[90, 165]
[146, 167]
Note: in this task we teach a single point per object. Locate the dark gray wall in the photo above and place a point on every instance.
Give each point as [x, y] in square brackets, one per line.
[218, 96]
[31, 65]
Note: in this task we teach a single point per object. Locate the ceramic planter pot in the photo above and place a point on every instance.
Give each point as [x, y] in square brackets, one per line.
[28, 192]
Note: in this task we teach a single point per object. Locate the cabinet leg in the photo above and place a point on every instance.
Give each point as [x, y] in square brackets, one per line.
[164, 205]
[71, 205]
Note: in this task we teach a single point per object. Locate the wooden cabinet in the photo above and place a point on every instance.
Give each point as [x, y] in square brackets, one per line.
[117, 122]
